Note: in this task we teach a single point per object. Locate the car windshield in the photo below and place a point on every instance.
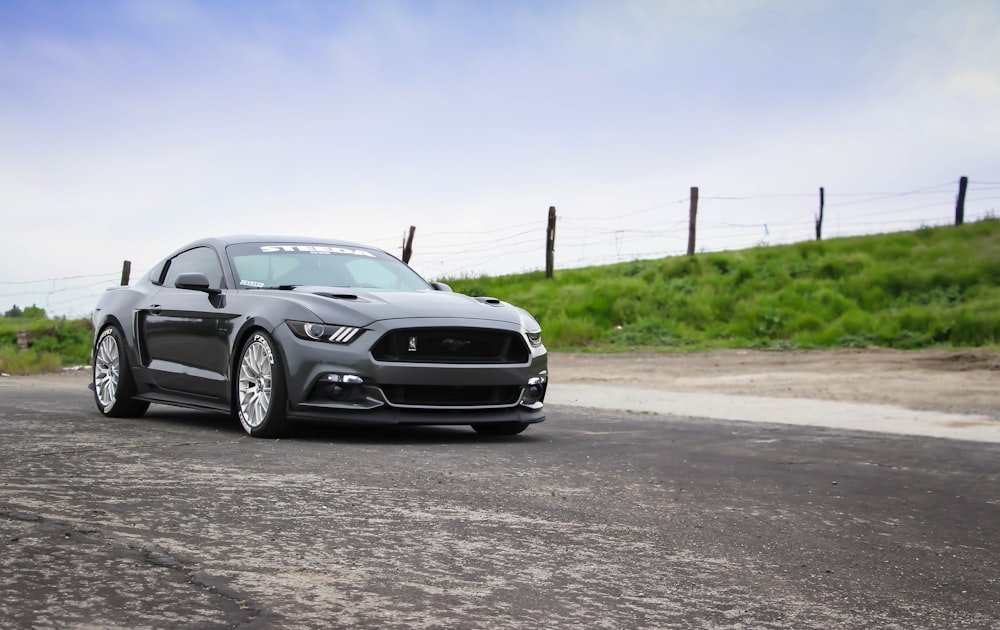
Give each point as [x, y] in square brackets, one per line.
[289, 265]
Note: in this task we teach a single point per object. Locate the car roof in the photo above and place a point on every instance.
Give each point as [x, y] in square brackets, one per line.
[271, 238]
[220, 243]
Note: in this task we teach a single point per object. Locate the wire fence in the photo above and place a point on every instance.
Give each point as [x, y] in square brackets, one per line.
[655, 231]
[662, 229]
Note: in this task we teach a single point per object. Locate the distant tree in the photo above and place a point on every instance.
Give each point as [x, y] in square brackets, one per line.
[34, 312]
[14, 312]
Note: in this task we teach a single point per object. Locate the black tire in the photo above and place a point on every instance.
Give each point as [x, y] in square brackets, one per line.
[114, 387]
[500, 428]
[260, 399]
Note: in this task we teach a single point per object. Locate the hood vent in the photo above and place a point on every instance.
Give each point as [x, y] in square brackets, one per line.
[339, 296]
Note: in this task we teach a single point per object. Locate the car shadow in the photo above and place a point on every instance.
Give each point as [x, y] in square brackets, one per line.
[389, 434]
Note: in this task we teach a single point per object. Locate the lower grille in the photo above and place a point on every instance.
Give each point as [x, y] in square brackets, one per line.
[449, 396]
[451, 345]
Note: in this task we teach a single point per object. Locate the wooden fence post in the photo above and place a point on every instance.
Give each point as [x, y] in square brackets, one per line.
[963, 183]
[408, 245]
[126, 272]
[819, 217]
[550, 243]
[692, 220]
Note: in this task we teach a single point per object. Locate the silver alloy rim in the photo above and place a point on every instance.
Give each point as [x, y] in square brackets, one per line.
[107, 371]
[255, 383]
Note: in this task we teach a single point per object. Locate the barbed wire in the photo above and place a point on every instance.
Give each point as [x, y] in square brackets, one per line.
[588, 241]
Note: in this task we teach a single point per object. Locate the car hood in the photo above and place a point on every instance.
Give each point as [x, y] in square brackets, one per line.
[339, 305]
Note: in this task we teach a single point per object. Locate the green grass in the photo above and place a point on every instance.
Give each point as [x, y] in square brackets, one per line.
[22, 362]
[53, 344]
[936, 287]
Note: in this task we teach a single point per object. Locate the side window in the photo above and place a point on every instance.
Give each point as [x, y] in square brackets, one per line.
[199, 259]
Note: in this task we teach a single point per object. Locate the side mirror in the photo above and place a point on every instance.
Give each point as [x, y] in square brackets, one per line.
[440, 286]
[195, 281]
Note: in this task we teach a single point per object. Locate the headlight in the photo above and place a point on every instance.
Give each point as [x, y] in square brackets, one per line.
[330, 333]
[531, 328]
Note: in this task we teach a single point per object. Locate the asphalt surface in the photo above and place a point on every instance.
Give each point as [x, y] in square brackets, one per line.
[593, 519]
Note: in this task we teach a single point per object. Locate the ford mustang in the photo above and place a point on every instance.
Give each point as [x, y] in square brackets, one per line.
[279, 329]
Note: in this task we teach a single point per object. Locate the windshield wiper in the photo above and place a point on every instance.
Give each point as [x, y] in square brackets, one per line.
[282, 287]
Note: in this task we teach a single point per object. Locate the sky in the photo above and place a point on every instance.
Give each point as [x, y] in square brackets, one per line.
[129, 128]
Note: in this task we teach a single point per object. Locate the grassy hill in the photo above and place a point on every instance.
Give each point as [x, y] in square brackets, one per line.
[932, 287]
[936, 287]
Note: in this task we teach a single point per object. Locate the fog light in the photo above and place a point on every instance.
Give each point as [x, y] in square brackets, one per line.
[342, 387]
[351, 379]
[535, 389]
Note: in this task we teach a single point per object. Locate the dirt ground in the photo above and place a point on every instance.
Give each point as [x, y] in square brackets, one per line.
[965, 381]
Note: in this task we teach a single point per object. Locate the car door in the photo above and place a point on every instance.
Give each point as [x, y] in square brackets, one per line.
[185, 332]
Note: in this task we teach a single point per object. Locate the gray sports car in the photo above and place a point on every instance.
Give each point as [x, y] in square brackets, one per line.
[274, 329]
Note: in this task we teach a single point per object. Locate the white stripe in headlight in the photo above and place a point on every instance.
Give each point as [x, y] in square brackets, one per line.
[330, 333]
[343, 334]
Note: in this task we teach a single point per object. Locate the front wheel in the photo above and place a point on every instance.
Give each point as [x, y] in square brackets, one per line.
[114, 387]
[260, 388]
[500, 428]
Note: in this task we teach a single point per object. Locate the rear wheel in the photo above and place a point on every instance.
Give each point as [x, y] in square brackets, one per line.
[260, 388]
[500, 428]
[114, 387]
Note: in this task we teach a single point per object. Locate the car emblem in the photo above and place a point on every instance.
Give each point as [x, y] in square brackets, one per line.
[412, 345]
[455, 345]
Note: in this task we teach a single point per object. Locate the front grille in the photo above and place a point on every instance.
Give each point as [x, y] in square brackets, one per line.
[451, 345]
[451, 396]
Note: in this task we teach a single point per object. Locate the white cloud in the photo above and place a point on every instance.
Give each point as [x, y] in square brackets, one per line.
[134, 127]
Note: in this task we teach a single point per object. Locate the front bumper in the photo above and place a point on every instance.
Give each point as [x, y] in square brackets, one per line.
[345, 384]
